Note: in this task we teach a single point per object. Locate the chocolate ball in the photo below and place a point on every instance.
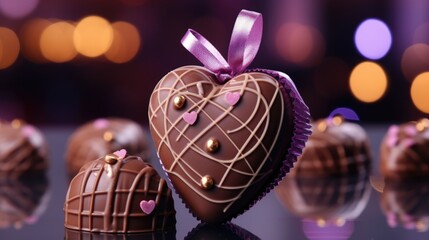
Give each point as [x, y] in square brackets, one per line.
[335, 148]
[404, 151]
[406, 203]
[23, 149]
[101, 136]
[23, 199]
[325, 200]
[126, 196]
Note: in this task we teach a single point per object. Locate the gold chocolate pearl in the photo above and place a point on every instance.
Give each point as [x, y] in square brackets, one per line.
[110, 158]
[212, 145]
[340, 222]
[179, 101]
[337, 120]
[322, 126]
[321, 222]
[108, 136]
[422, 124]
[207, 182]
[16, 123]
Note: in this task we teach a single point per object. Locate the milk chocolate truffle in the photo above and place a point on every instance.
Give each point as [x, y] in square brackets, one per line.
[23, 199]
[23, 149]
[325, 200]
[406, 203]
[335, 148]
[102, 136]
[119, 194]
[405, 151]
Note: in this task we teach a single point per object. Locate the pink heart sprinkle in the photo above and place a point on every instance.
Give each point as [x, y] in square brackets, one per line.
[147, 206]
[101, 123]
[232, 98]
[190, 118]
[28, 131]
[121, 153]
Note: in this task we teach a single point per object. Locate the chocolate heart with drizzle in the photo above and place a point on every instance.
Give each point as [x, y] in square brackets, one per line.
[232, 154]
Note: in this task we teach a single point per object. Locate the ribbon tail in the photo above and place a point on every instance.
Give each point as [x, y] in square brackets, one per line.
[245, 40]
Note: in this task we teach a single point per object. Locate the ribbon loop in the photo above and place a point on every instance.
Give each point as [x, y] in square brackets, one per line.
[245, 40]
[243, 47]
[204, 51]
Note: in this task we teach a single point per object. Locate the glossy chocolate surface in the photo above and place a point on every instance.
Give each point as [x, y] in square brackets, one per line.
[102, 136]
[251, 119]
[23, 149]
[335, 149]
[108, 198]
[404, 151]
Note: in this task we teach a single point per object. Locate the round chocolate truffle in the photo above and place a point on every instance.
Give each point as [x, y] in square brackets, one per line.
[23, 149]
[102, 136]
[23, 199]
[406, 203]
[405, 151]
[325, 200]
[118, 194]
[335, 148]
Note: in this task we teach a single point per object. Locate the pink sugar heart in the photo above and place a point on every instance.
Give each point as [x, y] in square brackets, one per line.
[190, 117]
[147, 206]
[101, 123]
[28, 131]
[232, 98]
[121, 153]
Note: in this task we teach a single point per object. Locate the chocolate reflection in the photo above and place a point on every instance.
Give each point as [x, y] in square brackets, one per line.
[82, 235]
[226, 231]
[325, 204]
[406, 204]
[23, 200]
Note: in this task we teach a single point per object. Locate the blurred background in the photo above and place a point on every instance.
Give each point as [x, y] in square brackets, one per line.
[66, 62]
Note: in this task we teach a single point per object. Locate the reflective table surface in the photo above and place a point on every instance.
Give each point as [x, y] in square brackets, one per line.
[363, 207]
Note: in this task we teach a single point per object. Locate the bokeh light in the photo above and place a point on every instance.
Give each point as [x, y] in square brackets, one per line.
[300, 44]
[415, 60]
[17, 8]
[368, 82]
[125, 44]
[30, 36]
[373, 38]
[10, 47]
[56, 42]
[420, 92]
[93, 36]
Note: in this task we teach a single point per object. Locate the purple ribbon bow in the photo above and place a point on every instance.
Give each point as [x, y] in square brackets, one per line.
[243, 47]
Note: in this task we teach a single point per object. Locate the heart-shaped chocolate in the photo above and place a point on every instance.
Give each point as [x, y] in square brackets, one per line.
[243, 141]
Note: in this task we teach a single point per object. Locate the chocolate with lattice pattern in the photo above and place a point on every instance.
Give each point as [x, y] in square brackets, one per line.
[119, 194]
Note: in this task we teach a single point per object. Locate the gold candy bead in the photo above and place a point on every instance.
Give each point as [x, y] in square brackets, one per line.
[422, 124]
[337, 120]
[322, 126]
[212, 145]
[108, 136]
[207, 182]
[179, 102]
[16, 123]
[111, 158]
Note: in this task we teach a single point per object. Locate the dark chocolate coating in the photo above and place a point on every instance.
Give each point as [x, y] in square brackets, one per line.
[337, 150]
[325, 198]
[404, 152]
[88, 141]
[226, 231]
[106, 198]
[23, 149]
[406, 203]
[23, 199]
[254, 137]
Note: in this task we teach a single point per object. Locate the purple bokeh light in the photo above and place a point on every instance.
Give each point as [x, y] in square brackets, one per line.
[373, 38]
[17, 8]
